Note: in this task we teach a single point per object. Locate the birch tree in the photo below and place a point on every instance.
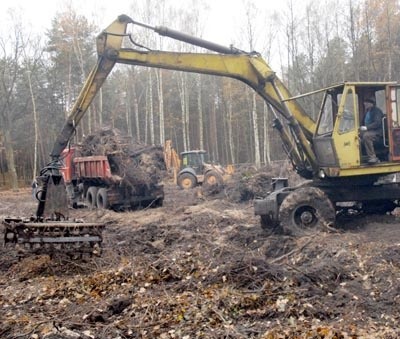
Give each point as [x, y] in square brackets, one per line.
[32, 55]
[11, 52]
[250, 14]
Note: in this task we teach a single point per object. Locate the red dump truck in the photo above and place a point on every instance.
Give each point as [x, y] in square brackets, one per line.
[90, 182]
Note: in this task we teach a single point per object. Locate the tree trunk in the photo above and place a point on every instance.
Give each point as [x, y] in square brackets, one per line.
[200, 110]
[182, 96]
[230, 133]
[150, 108]
[354, 42]
[267, 149]
[160, 93]
[128, 115]
[255, 131]
[35, 126]
[10, 159]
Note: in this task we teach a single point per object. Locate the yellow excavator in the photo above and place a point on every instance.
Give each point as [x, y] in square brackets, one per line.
[323, 145]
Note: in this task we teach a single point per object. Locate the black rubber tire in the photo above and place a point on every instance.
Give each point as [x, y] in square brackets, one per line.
[158, 203]
[270, 226]
[102, 199]
[91, 197]
[213, 181]
[378, 206]
[187, 181]
[213, 178]
[305, 211]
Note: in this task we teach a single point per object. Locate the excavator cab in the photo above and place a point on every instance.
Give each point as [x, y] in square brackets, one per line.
[336, 141]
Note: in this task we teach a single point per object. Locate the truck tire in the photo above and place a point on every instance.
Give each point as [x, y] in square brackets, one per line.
[187, 181]
[91, 197]
[157, 203]
[102, 199]
[305, 211]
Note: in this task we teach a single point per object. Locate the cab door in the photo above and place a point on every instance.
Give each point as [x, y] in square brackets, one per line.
[393, 123]
[345, 132]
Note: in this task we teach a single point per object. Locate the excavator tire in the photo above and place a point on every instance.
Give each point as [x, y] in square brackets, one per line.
[91, 197]
[187, 181]
[270, 226]
[378, 206]
[305, 211]
[102, 199]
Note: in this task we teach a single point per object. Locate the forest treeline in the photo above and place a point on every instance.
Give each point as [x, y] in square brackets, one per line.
[316, 44]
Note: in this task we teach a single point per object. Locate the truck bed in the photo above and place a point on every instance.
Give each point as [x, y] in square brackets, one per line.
[92, 167]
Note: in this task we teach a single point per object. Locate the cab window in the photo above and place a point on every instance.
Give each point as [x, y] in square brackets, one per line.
[347, 119]
[326, 123]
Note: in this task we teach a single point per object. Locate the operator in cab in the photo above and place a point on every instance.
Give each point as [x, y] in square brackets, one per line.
[371, 130]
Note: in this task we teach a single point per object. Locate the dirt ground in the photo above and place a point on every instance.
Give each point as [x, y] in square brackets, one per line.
[202, 267]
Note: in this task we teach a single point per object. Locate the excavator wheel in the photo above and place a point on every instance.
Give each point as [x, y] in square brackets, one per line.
[91, 197]
[270, 226]
[378, 206]
[187, 181]
[305, 211]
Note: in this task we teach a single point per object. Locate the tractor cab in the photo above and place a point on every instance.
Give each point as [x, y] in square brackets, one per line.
[194, 159]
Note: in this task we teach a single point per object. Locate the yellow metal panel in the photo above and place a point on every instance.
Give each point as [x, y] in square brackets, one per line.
[346, 140]
[348, 149]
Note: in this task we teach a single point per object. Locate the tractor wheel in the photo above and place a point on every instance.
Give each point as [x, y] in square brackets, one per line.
[213, 178]
[187, 181]
[91, 197]
[102, 199]
[305, 211]
[213, 182]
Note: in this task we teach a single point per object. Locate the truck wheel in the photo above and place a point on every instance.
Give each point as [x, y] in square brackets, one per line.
[187, 181]
[158, 203]
[91, 196]
[102, 199]
[305, 211]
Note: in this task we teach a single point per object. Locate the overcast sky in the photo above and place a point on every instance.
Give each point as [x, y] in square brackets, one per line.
[223, 14]
[222, 23]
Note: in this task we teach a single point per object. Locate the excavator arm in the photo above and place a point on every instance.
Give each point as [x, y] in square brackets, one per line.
[296, 131]
[249, 68]
[109, 40]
